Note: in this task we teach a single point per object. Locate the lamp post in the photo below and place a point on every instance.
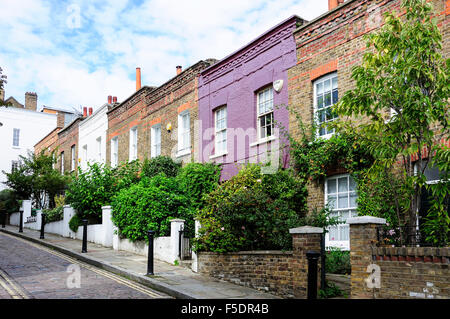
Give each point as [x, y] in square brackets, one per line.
[42, 225]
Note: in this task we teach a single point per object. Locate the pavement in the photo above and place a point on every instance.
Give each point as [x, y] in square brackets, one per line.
[176, 281]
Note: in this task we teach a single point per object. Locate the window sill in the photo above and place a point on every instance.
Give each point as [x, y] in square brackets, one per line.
[183, 152]
[218, 155]
[264, 140]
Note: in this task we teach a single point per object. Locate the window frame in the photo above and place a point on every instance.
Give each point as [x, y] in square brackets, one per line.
[258, 116]
[184, 149]
[322, 79]
[114, 151]
[14, 137]
[217, 151]
[351, 210]
[153, 144]
[72, 158]
[133, 144]
[61, 156]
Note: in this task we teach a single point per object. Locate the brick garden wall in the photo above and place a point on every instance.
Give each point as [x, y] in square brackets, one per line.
[269, 271]
[283, 273]
[403, 273]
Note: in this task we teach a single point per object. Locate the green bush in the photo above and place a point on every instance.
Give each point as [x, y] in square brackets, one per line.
[53, 215]
[160, 164]
[330, 291]
[97, 185]
[198, 180]
[252, 211]
[74, 223]
[337, 261]
[9, 201]
[150, 205]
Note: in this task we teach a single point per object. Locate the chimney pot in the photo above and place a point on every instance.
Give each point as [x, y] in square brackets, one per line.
[84, 111]
[138, 79]
[115, 99]
[90, 111]
[179, 69]
[109, 99]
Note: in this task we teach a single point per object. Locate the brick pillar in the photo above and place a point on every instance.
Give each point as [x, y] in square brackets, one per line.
[363, 237]
[303, 239]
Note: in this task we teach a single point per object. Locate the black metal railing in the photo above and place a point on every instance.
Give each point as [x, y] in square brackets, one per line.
[402, 237]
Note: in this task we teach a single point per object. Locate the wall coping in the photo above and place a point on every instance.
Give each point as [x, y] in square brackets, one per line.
[306, 230]
[177, 220]
[249, 252]
[366, 220]
[106, 207]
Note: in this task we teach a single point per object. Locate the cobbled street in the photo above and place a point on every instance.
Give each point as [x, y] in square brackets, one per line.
[28, 270]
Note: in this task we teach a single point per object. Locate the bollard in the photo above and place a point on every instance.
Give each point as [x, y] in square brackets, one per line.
[180, 242]
[84, 247]
[150, 234]
[21, 221]
[42, 225]
[322, 261]
[313, 257]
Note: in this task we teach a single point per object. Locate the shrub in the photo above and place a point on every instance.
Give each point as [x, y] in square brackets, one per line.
[160, 164]
[74, 223]
[337, 261]
[53, 215]
[150, 205]
[252, 211]
[96, 186]
[9, 201]
[198, 180]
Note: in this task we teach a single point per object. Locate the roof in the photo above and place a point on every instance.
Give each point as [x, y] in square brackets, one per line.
[228, 57]
[56, 109]
[145, 87]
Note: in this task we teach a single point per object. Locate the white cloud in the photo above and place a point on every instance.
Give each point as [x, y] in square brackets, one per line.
[81, 66]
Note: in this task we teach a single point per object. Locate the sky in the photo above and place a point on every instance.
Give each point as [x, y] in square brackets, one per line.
[76, 53]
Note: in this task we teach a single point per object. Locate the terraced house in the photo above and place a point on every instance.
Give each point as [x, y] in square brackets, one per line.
[242, 97]
[327, 49]
[157, 121]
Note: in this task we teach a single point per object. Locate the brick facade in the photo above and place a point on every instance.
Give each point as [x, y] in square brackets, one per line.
[48, 144]
[67, 137]
[334, 43]
[150, 106]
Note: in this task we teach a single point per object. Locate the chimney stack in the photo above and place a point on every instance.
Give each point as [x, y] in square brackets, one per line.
[138, 79]
[31, 101]
[2, 95]
[109, 99]
[90, 111]
[179, 69]
[334, 4]
[114, 99]
[84, 111]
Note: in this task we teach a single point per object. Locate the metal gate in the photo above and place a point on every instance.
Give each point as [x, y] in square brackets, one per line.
[184, 246]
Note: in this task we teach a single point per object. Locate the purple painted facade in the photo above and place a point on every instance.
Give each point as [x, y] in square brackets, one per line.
[235, 83]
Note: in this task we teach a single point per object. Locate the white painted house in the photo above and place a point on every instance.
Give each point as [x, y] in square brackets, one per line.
[92, 137]
[20, 130]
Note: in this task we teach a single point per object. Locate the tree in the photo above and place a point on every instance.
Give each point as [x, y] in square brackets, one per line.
[403, 74]
[2, 82]
[35, 177]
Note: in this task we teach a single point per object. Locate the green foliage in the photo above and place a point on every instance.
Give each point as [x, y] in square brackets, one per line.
[404, 71]
[150, 205]
[9, 202]
[96, 186]
[2, 83]
[337, 261]
[330, 291]
[35, 177]
[437, 221]
[252, 211]
[54, 215]
[75, 222]
[198, 179]
[160, 164]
